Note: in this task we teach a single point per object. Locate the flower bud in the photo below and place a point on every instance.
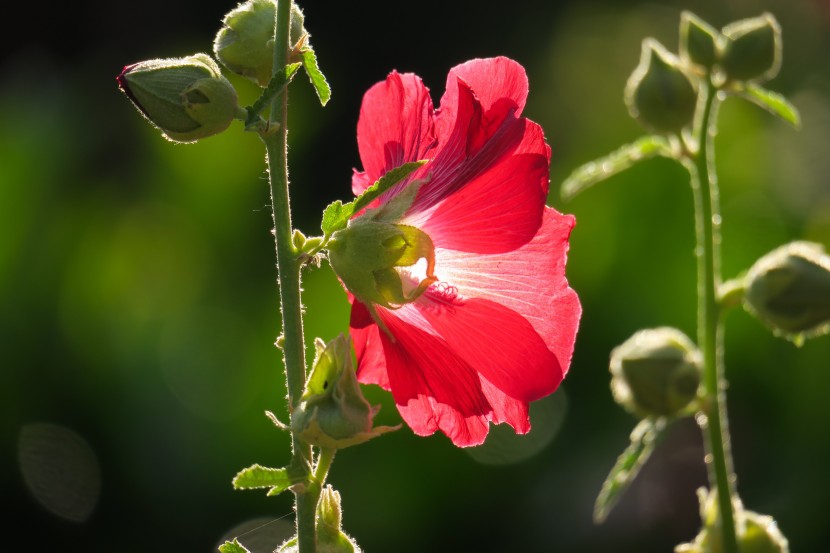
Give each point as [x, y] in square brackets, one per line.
[698, 41]
[186, 98]
[659, 94]
[789, 290]
[330, 536]
[752, 49]
[369, 254]
[332, 411]
[245, 44]
[755, 533]
[656, 372]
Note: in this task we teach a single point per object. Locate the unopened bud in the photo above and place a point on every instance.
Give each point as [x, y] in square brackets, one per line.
[756, 533]
[659, 94]
[752, 49]
[698, 41]
[789, 290]
[186, 98]
[656, 372]
[332, 411]
[245, 44]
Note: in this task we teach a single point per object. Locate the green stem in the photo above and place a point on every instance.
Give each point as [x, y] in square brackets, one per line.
[288, 271]
[707, 230]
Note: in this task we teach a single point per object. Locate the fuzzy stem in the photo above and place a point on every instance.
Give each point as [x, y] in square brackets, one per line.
[288, 271]
[710, 336]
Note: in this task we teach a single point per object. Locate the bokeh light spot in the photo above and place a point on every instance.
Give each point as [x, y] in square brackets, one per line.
[60, 470]
[504, 447]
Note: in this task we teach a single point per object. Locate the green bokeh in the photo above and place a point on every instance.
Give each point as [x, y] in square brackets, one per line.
[139, 307]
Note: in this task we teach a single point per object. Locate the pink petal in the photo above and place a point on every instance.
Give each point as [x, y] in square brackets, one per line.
[529, 281]
[506, 409]
[395, 125]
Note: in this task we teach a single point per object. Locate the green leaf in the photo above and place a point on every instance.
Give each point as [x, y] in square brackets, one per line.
[257, 476]
[773, 102]
[335, 217]
[318, 80]
[617, 161]
[643, 439]
[337, 214]
[277, 84]
[233, 547]
[386, 182]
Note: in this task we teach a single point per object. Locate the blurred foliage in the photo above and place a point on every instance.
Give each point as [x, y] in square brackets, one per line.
[139, 307]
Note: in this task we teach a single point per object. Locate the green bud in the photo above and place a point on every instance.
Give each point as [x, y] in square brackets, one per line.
[656, 372]
[756, 533]
[698, 41]
[659, 94]
[789, 290]
[752, 49]
[245, 44]
[330, 536]
[186, 98]
[368, 253]
[332, 411]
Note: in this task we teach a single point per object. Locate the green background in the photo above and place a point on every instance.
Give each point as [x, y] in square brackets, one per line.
[138, 307]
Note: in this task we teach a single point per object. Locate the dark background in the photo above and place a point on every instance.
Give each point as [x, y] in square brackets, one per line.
[138, 307]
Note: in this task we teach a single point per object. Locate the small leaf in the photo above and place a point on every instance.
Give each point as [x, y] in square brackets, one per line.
[617, 161]
[773, 102]
[335, 217]
[318, 81]
[387, 181]
[257, 476]
[278, 83]
[233, 547]
[643, 439]
[337, 214]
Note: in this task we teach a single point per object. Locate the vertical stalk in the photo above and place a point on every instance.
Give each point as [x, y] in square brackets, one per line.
[707, 231]
[288, 271]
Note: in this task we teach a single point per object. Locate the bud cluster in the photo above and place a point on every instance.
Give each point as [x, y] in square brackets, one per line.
[662, 91]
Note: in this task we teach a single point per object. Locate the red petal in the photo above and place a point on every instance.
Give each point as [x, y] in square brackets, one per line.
[497, 211]
[371, 364]
[529, 280]
[506, 409]
[495, 341]
[434, 389]
[395, 124]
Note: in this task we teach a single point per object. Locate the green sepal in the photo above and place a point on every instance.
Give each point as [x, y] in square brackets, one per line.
[257, 476]
[318, 80]
[752, 48]
[643, 439]
[771, 101]
[617, 161]
[233, 547]
[336, 215]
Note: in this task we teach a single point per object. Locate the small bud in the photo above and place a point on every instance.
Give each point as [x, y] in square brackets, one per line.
[245, 44]
[698, 41]
[330, 536]
[186, 98]
[656, 372]
[789, 290]
[659, 94]
[332, 411]
[752, 49]
[756, 533]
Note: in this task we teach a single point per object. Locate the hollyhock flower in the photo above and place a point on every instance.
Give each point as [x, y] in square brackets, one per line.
[485, 322]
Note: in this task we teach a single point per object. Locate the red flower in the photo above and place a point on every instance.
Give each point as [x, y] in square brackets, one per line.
[496, 331]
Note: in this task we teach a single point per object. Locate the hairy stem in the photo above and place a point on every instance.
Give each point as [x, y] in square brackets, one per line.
[710, 338]
[288, 271]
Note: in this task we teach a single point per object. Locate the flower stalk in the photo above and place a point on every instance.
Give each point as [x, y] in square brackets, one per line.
[710, 329]
[288, 271]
